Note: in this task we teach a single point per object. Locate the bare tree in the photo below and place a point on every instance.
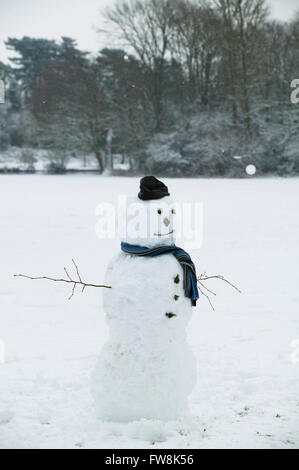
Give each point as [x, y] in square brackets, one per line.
[195, 43]
[242, 22]
[146, 26]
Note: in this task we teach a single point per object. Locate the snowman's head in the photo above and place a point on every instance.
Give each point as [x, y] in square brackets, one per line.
[150, 222]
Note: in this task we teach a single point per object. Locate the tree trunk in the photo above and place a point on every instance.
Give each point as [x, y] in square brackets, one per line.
[99, 158]
[109, 155]
[245, 97]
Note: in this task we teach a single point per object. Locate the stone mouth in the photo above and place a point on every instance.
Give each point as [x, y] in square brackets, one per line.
[163, 234]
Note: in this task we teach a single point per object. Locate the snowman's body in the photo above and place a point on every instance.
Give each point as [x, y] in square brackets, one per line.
[146, 369]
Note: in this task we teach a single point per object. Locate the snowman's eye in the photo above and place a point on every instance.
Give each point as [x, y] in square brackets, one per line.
[159, 211]
[172, 211]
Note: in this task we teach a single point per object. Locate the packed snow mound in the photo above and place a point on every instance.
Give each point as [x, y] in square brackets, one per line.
[146, 369]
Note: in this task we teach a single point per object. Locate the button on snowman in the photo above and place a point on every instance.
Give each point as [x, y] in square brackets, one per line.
[146, 369]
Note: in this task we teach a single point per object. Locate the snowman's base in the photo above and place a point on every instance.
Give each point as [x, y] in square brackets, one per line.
[125, 387]
[146, 369]
[127, 415]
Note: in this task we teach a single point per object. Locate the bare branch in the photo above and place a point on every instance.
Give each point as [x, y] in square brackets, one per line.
[73, 291]
[207, 297]
[77, 270]
[67, 274]
[205, 287]
[68, 281]
[204, 277]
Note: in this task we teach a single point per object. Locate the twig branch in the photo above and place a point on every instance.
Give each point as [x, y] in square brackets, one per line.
[205, 287]
[77, 270]
[207, 297]
[73, 291]
[67, 274]
[70, 280]
[204, 277]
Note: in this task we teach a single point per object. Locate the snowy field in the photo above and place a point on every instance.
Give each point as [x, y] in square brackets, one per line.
[247, 393]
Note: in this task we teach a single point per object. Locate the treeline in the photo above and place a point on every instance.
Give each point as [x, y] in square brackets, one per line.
[199, 88]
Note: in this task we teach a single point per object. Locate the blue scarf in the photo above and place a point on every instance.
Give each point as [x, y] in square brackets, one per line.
[190, 280]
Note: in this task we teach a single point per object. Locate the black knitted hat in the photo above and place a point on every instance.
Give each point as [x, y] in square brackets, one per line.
[151, 188]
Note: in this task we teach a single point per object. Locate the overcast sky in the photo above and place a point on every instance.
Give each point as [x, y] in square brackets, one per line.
[78, 19]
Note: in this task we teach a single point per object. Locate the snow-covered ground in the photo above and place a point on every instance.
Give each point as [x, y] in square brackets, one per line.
[12, 159]
[247, 394]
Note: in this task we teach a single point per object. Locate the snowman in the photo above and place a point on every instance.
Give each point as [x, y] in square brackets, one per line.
[146, 369]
